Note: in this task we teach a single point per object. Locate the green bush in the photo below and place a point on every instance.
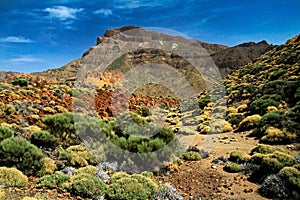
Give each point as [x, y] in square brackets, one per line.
[203, 101]
[86, 185]
[22, 154]
[136, 186]
[274, 118]
[21, 81]
[86, 170]
[239, 157]
[49, 167]
[59, 124]
[266, 149]
[284, 88]
[5, 133]
[278, 74]
[11, 177]
[291, 175]
[249, 123]
[232, 168]
[252, 70]
[235, 118]
[80, 103]
[276, 136]
[191, 156]
[43, 139]
[273, 162]
[77, 155]
[260, 106]
[52, 181]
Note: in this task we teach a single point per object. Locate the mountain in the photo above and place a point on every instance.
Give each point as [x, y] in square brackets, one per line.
[226, 58]
[235, 57]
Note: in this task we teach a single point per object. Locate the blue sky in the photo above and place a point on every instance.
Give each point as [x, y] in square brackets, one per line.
[37, 35]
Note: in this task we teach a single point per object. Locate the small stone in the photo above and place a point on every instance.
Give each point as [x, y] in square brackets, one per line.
[214, 167]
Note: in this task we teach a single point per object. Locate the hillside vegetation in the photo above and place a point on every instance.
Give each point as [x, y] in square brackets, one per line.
[47, 127]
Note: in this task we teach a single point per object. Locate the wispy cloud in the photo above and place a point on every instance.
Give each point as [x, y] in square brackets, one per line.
[25, 59]
[132, 4]
[63, 12]
[105, 12]
[15, 39]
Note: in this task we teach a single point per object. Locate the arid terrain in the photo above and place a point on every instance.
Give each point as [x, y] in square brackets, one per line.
[76, 133]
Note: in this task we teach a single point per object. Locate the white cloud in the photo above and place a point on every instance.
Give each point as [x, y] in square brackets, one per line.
[105, 12]
[63, 12]
[26, 59]
[15, 39]
[132, 4]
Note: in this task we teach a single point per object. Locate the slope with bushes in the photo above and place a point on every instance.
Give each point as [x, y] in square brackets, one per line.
[269, 89]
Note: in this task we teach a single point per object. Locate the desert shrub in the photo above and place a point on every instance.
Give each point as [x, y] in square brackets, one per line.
[249, 123]
[59, 124]
[11, 177]
[252, 70]
[43, 139]
[277, 74]
[191, 156]
[86, 170]
[30, 198]
[297, 95]
[231, 110]
[76, 93]
[291, 175]
[86, 185]
[21, 81]
[135, 134]
[131, 187]
[147, 174]
[232, 168]
[6, 109]
[203, 101]
[260, 106]
[5, 132]
[276, 136]
[242, 108]
[49, 167]
[22, 154]
[235, 118]
[271, 108]
[118, 176]
[55, 180]
[80, 103]
[2, 194]
[144, 111]
[227, 127]
[284, 88]
[274, 119]
[239, 157]
[266, 149]
[77, 155]
[291, 120]
[273, 162]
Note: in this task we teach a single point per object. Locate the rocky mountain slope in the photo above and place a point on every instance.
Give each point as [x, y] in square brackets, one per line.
[226, 58]
[235, 57]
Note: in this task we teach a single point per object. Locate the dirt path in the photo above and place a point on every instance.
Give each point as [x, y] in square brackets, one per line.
[203, 179]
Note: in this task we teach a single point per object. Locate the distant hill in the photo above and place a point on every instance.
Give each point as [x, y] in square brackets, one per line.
[237, 56]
